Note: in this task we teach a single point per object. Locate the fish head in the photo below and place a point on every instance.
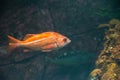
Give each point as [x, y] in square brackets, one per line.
[62, 41]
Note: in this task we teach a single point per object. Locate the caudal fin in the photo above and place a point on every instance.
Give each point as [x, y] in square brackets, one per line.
[13, 43]
[13, 40]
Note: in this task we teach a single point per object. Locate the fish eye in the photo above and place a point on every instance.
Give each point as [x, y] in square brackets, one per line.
[65, 39]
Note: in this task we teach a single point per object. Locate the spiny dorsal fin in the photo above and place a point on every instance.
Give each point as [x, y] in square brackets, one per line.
[28, 36]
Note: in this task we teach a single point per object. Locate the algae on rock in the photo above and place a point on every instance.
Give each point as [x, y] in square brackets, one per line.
[108, 63]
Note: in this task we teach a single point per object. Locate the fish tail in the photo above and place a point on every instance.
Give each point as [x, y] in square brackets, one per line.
[13, 40]
[14, 43]
[11, 47]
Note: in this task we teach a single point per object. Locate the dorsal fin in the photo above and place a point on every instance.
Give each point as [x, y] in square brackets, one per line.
[28, 36]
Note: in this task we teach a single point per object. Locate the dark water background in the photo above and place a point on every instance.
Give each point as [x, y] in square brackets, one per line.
[76, 19]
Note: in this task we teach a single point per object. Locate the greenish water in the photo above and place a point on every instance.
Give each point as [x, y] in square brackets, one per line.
[76, 19]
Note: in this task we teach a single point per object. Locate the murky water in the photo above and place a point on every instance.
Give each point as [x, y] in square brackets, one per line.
[76, 19]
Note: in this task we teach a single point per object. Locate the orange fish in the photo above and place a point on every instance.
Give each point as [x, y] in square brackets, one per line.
[45, 42]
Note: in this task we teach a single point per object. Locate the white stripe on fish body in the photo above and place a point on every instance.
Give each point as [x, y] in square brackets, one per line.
[34, 41]
[35, 44]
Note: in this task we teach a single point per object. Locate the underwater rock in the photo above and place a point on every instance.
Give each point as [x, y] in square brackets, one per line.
[95, 74]
[109, 59]
[110, 72]
[3, 50]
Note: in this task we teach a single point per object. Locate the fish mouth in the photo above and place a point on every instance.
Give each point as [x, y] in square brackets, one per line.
[63, 45]
[69, 41]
